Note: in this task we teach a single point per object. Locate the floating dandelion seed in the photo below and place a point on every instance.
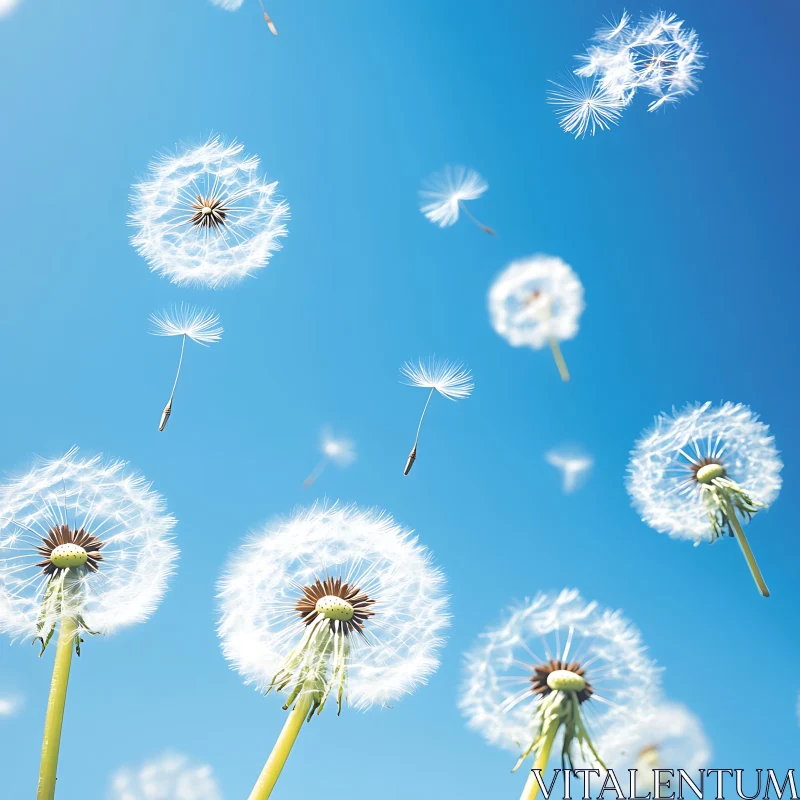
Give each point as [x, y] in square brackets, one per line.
[668, 736]
[332, 602]
[584, 106]
[171, 776]
[235, 5]
[573, 465]
[559, 664]
[340, 451]
[657, 55]
[206, 216]
[85, 547]
[445, 195]
[451, 380]
[189, 322]
[537, 301]
[704, 471]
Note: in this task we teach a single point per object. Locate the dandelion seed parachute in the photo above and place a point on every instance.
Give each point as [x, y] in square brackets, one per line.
[584, 106]
[206, 216]
[573, 465]
[560, 668]
[200, 325]
[537, 301]
[333, 602]
[449, 379]
[704, 471]
[445, 194]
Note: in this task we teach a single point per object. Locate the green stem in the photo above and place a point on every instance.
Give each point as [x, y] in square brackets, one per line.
[55, 709]
[730, 513]
[560, 363]
[277, 758]
[532, 785]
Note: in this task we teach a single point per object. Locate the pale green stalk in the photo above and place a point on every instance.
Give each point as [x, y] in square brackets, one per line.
[54, 719]
[280, 752]
[560, 363]
[532, 785]
[730, 513]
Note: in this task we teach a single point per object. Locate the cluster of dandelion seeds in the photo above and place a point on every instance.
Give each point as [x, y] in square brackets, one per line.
[658, 55]
[333, 601]
[559, 664]
[83, 538]
[535, 302]
[206, 216]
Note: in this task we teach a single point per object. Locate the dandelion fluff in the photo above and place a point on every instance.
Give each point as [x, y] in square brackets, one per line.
[206, 216]
[558, 673]
[110, 503]
[445, 194]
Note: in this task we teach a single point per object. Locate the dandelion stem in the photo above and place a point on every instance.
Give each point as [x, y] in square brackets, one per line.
[55, 709]
[280, 752]
[316, 472]
[560, 363]
[484, 228]
[168, 407]
[532, 785]
[412, 456]
[730, 513]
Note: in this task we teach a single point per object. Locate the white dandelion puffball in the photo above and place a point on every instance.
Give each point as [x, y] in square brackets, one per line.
[198, 324]
[668, 737]
[444, 193]
[206, 216]
[359, 577]
[499, 696]
[536, 299]
[340, 451]
[92, 525]
[667, 463]
[171, 776]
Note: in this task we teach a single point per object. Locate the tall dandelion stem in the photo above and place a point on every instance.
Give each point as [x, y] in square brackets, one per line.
[484, 228]
[559, 359]
[55, 709]
[730, 513]
[531, 789]
[280, 752]
[412, 456]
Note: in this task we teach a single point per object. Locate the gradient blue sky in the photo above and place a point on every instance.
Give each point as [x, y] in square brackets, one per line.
[679, 224]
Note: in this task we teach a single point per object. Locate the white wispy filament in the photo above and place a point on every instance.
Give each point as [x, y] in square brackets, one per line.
[446, 193]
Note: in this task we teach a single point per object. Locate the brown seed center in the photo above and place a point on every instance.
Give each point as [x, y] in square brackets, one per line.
[539, 684]
[56, 540]
[359, 601]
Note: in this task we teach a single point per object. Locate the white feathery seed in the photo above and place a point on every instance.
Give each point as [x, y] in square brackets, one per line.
[198, 324]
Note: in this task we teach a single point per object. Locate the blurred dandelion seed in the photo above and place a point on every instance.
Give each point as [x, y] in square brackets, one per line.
[340, 451]
[85, 547]
[537, 301]
[446, 193]
[573, 465]
[334, 601]
[268, 20]
[704, 471]
[188, 322]
[558, 666]
[235, 5]
[449, 379]
[206, 216]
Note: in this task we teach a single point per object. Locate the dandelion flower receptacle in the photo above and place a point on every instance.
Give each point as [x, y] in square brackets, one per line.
[188, 322]
[449, 379]
[332, 605]
[536, 302]
[205, 216]
[85, 548]
[557, 674]
[339, 451]
[706, 471]
[446, 193]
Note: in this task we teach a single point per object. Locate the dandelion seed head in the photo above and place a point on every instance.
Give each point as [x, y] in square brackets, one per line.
[206, 216]
[498, 694]
[669, 733]
[201, 325]
[664, 468]
[340, 451]
[451, 379]
[534, 299]
[267, 590]
[444, 191]
[101, 501]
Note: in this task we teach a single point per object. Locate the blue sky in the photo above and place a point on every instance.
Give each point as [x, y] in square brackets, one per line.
[679, 224]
